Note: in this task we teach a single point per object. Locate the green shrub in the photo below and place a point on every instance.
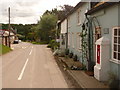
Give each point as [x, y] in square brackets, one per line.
[53, 44]
[71, 55]
[49, 46]
[39, 42]
[75, 58]
[66, 51]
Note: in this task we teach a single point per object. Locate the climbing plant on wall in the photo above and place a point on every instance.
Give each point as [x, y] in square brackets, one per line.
[84, 43]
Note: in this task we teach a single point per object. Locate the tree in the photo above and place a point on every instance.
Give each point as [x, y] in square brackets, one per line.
[64, 11]
[47, 25]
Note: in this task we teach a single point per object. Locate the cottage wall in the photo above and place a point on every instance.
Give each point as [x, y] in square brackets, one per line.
[63, 35]
[108, 19]
[75, 29]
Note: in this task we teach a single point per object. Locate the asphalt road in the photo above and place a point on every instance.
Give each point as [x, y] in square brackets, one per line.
[31, 66]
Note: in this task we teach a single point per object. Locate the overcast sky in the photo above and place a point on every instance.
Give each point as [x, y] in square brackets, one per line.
[29, 11]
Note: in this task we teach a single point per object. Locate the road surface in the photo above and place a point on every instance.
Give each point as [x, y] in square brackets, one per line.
[31, 66]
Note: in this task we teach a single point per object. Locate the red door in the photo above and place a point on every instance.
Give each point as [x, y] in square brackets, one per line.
[98, 54]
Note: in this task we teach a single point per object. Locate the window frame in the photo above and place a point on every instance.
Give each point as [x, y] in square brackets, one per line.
[63, 39]
[68, 39]
[79, 47]
[113, 59]
[69, 22]
[73, 45]
[78, 17]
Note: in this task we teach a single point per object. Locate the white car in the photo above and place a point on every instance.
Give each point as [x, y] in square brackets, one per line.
[20, 41]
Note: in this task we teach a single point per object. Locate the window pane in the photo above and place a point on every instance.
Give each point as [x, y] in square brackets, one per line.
[115, 32]
[119, 40]
[118, 32]
[115, 55]
[118, 56]
[115, 47]
[118, 48]
[115, 39]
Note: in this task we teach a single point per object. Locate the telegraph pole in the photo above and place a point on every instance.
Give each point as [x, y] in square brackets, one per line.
[9, 25]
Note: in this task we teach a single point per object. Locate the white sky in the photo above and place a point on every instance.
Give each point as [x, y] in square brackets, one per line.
[29, 11]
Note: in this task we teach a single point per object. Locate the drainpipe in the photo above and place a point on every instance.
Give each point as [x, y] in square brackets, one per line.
[67, 36]
[90, 43]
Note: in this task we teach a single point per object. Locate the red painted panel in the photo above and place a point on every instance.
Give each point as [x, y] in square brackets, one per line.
[98, 54]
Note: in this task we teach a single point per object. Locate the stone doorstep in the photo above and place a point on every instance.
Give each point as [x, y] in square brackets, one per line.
[86, 81]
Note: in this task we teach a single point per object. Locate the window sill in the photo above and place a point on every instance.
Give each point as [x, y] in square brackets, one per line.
[78, 24]
[79, 49]
[69, 26]
[115, 61]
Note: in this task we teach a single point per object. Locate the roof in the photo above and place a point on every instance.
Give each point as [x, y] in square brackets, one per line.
[101, 6]
[73, 10]
[2, 31]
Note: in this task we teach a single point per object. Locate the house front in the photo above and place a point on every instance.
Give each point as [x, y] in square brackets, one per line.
[80, 37]
[63, 35]
[106, 31]
[76, 36]
[75, 30]
[4, 37]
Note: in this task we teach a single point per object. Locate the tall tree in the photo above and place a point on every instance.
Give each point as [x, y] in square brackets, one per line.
[47, 25]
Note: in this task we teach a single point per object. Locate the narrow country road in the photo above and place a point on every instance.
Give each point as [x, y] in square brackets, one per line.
[31, 66]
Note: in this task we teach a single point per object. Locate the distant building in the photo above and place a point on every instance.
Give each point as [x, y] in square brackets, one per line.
[4, 37]
[63, 35]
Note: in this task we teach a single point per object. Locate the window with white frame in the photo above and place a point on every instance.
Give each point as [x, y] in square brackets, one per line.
[69, 22]
[63, 39]
[116, 44]
[78, 17]
[72, 35]
[79, 41]
[68, 39]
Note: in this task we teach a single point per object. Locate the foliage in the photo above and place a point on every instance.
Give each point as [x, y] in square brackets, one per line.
[39, 42]
[75, 58]
[23, 31]
[53, 44]
[71, 55]
[60, 13]
[47, 27]
[84, 43]
[66, 51]
[64, 10]
[4, 49]
[21, 37]
[49, 46]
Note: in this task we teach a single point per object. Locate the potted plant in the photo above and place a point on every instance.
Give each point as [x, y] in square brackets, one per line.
[71, 55]
[66, 51]
[75, 58]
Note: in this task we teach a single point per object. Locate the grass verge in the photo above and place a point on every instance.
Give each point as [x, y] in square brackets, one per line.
[38, 42]
[4, 49]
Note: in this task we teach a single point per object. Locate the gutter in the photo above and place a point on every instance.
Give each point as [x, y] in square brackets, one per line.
[102, 6]
[90, 44]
